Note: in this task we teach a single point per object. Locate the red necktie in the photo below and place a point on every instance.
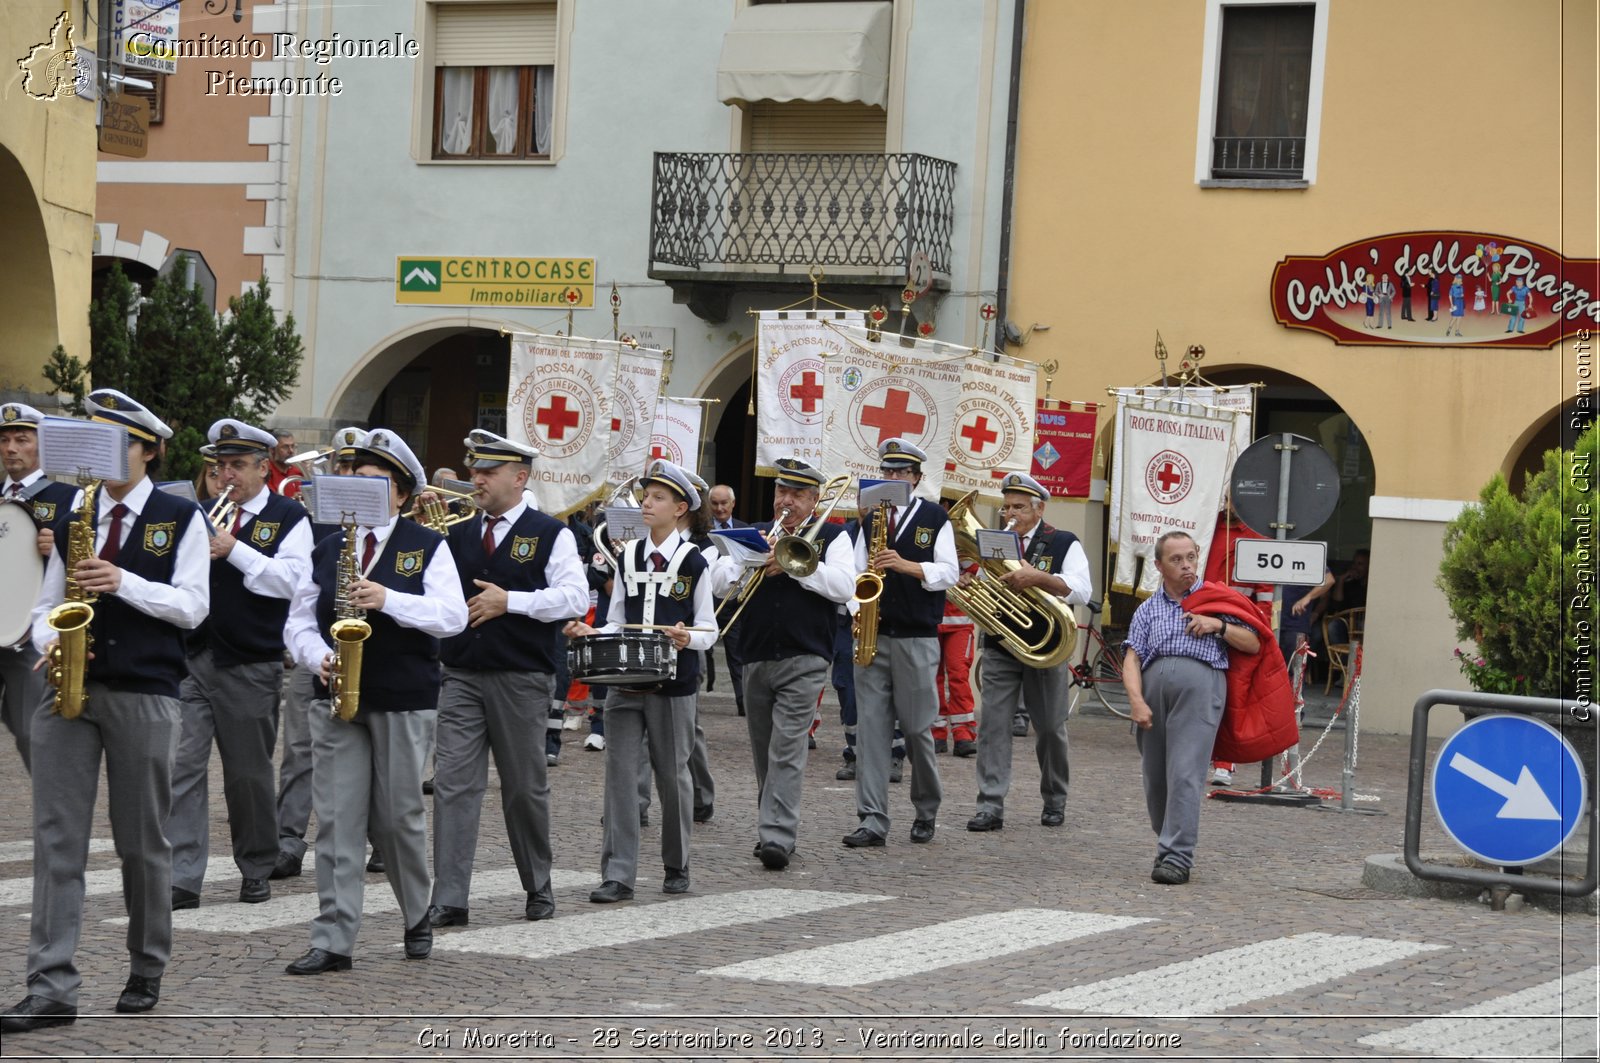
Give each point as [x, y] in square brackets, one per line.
[488, 535]
[366, 555]
[238, 518]
[658, 562]
[889, 528]
[16, 489]
[113, 545]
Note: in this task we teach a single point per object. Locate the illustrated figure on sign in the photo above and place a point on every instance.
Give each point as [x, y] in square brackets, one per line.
[1521, 307]
[1458, 305]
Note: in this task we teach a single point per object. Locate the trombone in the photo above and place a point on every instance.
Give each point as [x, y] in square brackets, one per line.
[432, 507]
[797, 555]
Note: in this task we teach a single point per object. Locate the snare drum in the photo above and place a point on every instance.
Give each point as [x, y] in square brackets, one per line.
[625, 659]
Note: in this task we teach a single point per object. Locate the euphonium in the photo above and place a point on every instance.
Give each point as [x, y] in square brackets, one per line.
[69, 657]
[350, 629]
[869, 588]
[1037, 628]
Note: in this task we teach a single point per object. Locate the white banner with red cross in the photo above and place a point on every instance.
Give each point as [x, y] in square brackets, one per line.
[991, 432]
[677, 432]
[633, 412]
[1174, 468]
[791, 346]
[1238, 398]
[559, 400]
[884, 388]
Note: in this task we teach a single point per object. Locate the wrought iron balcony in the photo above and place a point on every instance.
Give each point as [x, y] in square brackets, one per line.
[734, 217]
[1277, 158]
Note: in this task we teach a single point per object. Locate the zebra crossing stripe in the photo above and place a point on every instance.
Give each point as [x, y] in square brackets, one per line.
[1555, 1020]
[646, 922]
[929, 948]
[1208, 985]
[19, 891]
[12, 852]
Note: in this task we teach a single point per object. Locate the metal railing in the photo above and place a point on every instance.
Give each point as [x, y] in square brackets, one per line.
[1266, 157]
[722, 211]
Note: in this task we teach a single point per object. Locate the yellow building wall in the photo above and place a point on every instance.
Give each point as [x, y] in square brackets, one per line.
[47, 195]
[1477, 115]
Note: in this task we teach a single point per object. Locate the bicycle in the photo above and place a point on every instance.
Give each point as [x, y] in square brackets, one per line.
[1098, 669]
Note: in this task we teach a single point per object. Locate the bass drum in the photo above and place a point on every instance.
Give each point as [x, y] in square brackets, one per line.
[21, 570]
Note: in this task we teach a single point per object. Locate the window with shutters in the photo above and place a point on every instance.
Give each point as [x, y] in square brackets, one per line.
[493, 80]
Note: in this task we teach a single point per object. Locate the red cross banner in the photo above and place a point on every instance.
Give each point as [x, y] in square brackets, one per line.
[790, 348]
[559, 400]
[879, 389]
[633, 412]
[991, 429]
[1174, 468]
[1063, 448]
[677, 432]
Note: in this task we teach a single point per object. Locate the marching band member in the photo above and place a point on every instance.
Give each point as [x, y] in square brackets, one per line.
[412, 597]
[696, 527]
[521, 569]
[918, 565]
[1054, 562]
[662, 583]
[21, 686]
[788, 632]
[149, 571]
[283, 478]
[258, 558]
[208, 481]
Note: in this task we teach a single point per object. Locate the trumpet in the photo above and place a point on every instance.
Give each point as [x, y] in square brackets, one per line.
[796, 555]
[432, 507]
[220, 515]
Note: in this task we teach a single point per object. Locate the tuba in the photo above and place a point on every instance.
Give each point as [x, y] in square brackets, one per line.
[1037, 628]
[350, 629]
[69, 657]
[869, 588]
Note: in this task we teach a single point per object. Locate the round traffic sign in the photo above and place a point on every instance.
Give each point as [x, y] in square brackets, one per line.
[1313, 485]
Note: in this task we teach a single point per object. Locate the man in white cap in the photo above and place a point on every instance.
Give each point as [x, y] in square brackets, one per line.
[21, 685]
[520, 572]
[788, 630]
[1054, 562]
[260, 552]
[411, 596]
[918, 565]
[662, 584]
[149, 572]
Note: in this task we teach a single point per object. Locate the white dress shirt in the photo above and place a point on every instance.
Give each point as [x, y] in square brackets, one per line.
[279, 575]
[941, 573]
[705, 615]
[24, 483]
[566, 594]
[1074, 570]
[833, 579]
[184, 602]
[439, 610]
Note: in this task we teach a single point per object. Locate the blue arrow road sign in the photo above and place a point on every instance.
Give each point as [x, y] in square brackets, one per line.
[1508, 789]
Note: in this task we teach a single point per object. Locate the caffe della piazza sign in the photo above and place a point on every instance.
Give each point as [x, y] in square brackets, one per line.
[1329, 293]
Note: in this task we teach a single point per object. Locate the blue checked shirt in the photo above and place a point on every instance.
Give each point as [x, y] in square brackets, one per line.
[1157, 630]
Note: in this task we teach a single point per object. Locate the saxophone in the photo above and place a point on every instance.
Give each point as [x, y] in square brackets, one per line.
[350, 629]
[869, 588]
[69, 657]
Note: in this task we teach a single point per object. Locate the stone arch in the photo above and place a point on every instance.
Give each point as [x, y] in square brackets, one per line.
[1560, 426]
[27, 283]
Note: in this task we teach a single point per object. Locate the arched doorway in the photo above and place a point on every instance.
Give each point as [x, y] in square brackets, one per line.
[731, 450]
[27, 282]
[1560, 428]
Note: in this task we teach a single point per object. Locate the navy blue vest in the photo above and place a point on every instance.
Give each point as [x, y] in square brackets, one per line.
[906, 610]
[134, 651]
[51, 500]
[785, 619]
[247, 628]
[670, 609]
[399, 665]
[320, 532]
[1047, 553]
[508, 643]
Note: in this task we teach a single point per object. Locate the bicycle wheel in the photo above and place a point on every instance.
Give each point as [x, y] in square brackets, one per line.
[1107, 681]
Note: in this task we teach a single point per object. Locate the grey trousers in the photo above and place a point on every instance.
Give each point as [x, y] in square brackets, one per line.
[705, 789]
[294, 772]
[1186, 697]
[138, 734]
[21, 688]
[480, 713]
[780, 700]
[238, 708]
[1010, 687]
[665, 726]
[897, 685]
[369, 766]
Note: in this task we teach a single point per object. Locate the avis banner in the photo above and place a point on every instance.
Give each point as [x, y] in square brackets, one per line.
[559, 400]
[790, 348]
[991, 431]
[1063, 448]
[633, 412]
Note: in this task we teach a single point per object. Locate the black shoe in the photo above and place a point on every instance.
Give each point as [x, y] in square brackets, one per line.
[288, 866]
[442, 915]
[140, 994]
[846, 773]
[1170, 875]
[1052, 817]
[35, 1013]
[862, 838]
[965, 747]
[811, 741]
[644, 819]
[741, 710]
[675, 882]
[1019, 726]
[427, 786]
[419, 940]
[254, 891]
[540, 906]
[611, 893]
[896, 768]
[375, 863]
[182, 899]
[940, 745]
[317, 961]
[703, 813]
[922, 831]
[774, 857]
[986, 821]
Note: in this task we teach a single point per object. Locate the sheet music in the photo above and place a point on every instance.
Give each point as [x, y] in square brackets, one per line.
[179, 489]
[624, 523]
[997, 545]
[874, 493]
[74, 448]
[342, 499]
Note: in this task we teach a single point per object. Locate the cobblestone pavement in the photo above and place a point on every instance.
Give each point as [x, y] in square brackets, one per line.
[1026, 942]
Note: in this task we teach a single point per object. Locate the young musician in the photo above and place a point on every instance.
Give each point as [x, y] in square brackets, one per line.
[696, 526]
[521, 573]
[412, 598]
[662, 584]
[148, 568]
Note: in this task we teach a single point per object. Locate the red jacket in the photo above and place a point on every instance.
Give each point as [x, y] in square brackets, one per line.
[1258, 722]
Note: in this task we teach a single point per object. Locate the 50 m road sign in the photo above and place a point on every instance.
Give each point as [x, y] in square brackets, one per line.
[1299, 561]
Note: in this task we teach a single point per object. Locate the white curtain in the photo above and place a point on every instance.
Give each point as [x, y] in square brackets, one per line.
[502, 109]
[544, 91]
[455, 114]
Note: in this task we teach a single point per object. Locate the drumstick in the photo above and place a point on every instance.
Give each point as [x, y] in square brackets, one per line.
[664, 627]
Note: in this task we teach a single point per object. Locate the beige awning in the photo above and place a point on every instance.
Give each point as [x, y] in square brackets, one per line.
[827, 51]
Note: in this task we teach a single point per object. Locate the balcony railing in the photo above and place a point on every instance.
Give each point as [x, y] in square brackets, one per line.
[1265, 157]
[747, 213]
